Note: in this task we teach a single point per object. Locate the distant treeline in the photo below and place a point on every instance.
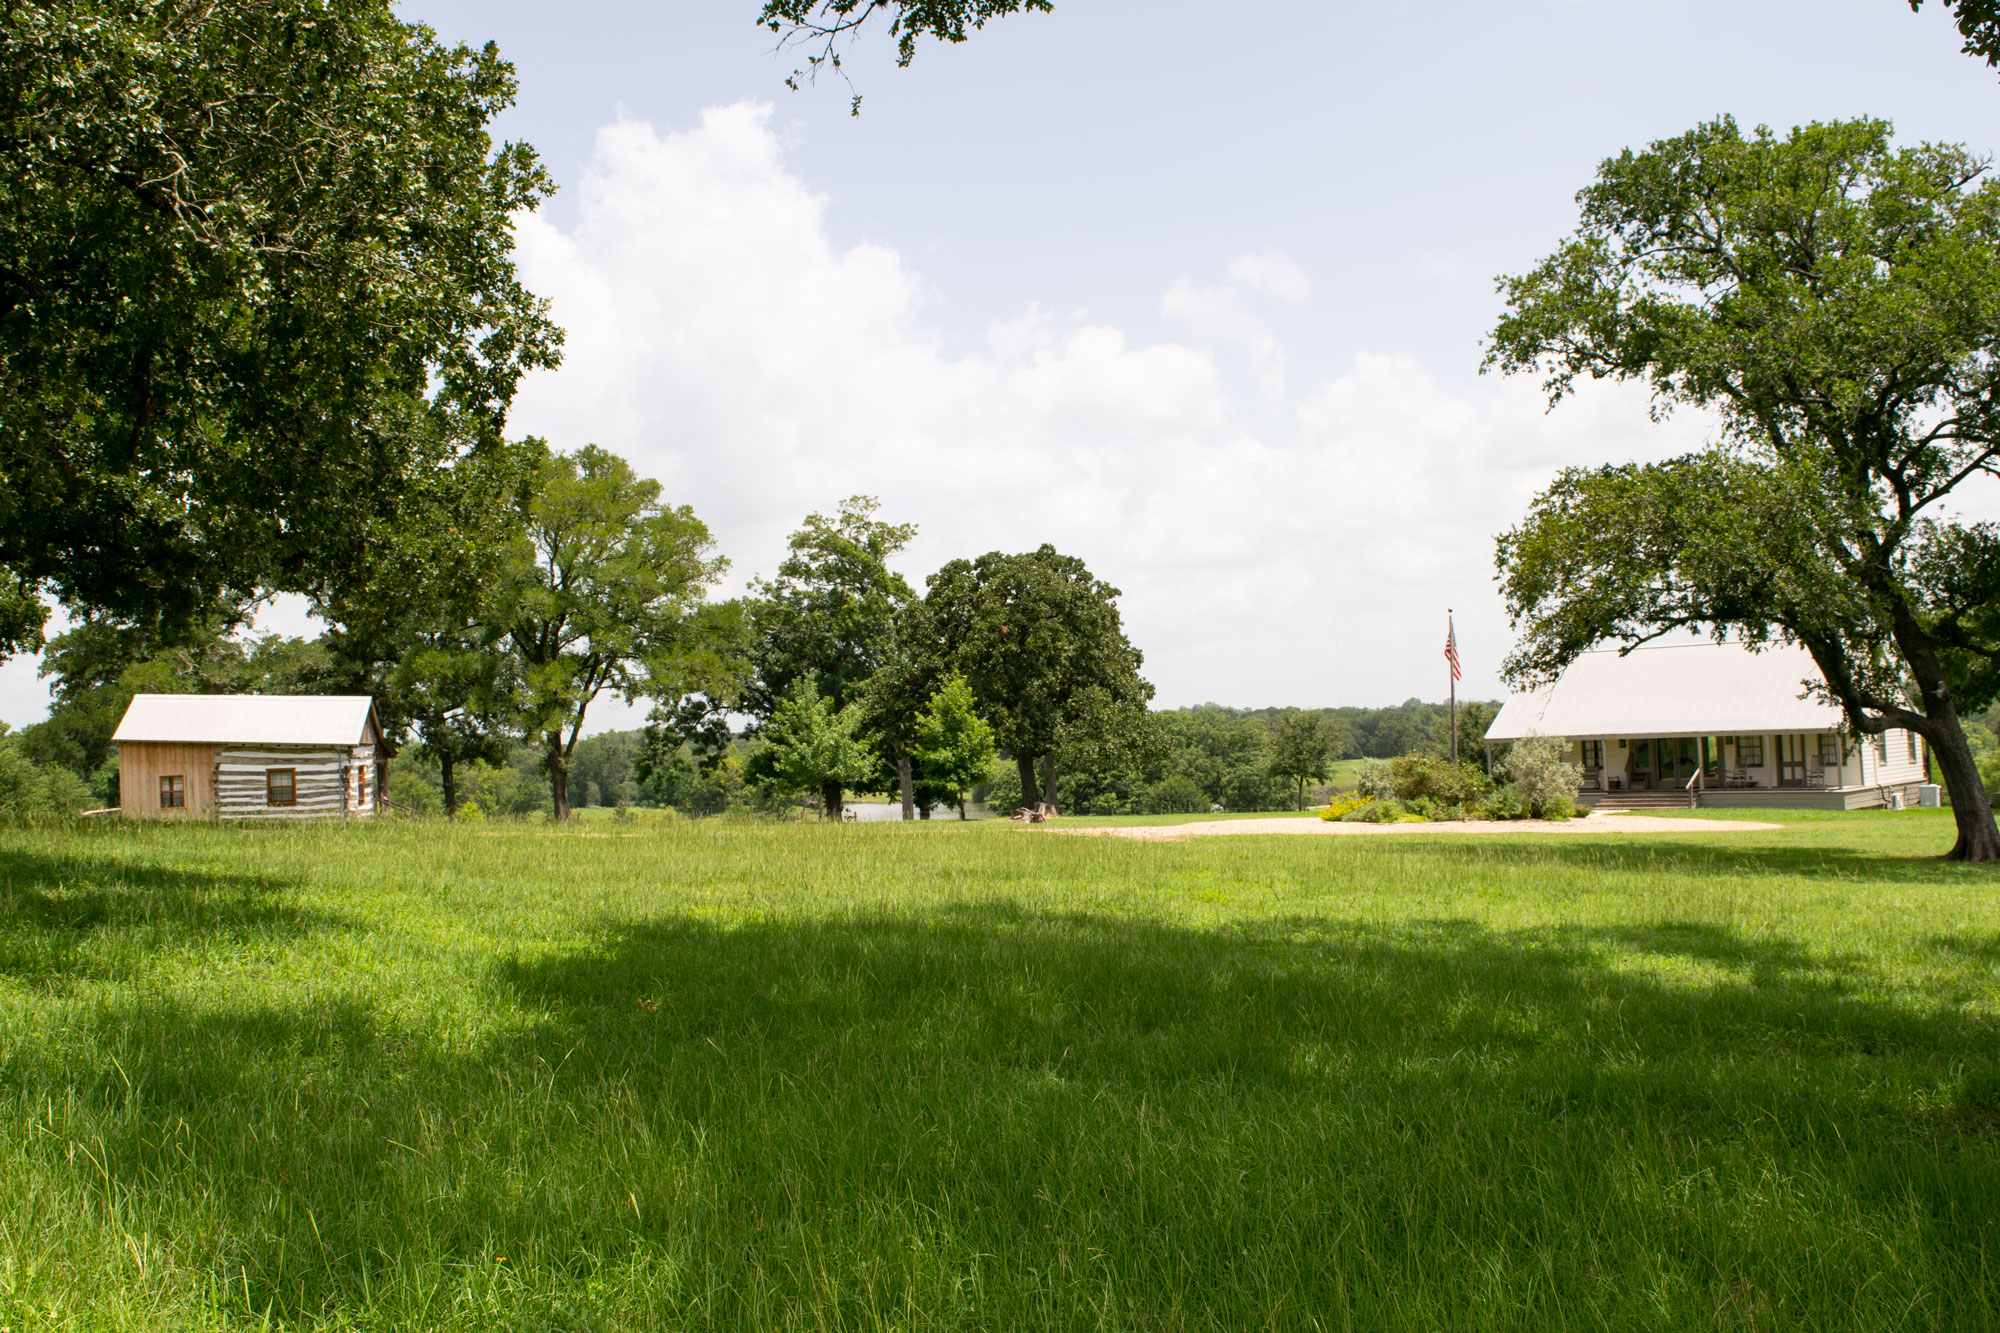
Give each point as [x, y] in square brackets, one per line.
[1195, 759]
[486, 633]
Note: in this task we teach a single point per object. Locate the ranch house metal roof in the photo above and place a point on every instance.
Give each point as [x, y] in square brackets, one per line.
[250, 719]
[1694, 689]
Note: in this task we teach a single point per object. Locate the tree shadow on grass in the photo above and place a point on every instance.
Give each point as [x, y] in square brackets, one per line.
[1968, 945]
[1090, 1120]
[55, 910]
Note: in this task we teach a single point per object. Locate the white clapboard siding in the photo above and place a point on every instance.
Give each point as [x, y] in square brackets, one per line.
[320, 778]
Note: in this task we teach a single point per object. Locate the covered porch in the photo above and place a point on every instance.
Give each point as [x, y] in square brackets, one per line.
[1712, 725]
[1817, 769]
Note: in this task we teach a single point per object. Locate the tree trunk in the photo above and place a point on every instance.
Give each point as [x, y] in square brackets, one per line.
[907, 788]
[1302, 795]
[450, 785]
[1031, 795]
[926, 814]
[834, 798]
[961, 807]
[558, 767]
[1049, 781]
[1978, 838]
[1971, 809]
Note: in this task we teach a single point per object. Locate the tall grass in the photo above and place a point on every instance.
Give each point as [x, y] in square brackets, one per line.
[944, 1077]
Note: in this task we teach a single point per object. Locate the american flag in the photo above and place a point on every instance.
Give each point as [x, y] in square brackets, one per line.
[1451, 650]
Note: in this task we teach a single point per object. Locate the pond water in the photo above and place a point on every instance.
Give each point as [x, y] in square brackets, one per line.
[871, 812]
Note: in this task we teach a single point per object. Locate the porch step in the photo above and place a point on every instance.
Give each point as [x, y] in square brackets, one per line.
[1613, 801]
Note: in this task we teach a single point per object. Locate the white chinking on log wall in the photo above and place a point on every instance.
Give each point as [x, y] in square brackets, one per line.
[321, 790]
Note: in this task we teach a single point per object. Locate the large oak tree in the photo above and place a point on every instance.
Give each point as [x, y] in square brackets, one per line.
[611, 594]
[830, 616]
[247, 248]
[1041, 643]
[1836, 302]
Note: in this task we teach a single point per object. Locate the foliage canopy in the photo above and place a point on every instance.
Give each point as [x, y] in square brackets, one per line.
[256, 276]
[611, 595]
[1836, 302]
[1040, 642]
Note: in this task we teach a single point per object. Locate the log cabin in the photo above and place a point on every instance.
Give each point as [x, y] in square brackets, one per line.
[250, 756]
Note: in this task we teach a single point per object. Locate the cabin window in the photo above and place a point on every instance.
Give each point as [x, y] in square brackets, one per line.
[1593, 753]
[281, 786]
[1829, 750]
[361, 787]
[1749, 751]
[173, 792]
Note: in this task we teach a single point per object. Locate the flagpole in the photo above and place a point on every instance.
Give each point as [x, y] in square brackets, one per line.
[1451, 636]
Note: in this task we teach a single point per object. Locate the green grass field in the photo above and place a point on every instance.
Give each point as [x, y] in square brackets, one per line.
[732, 1076]
[1345, 773]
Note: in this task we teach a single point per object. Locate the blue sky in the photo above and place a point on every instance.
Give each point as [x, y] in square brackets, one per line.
[1200, 299]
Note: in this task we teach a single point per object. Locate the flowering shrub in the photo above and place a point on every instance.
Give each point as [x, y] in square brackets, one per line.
[1344, 806]
[1427, 789]
[1428, 777]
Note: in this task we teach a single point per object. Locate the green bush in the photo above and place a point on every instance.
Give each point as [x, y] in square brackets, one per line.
[1429, 777]
[1547, 778]
[1374, 781]
[29, 790]
[1989, 774]
[1003, 796]
[1177, 795]
[1506, 803]
[411, 791]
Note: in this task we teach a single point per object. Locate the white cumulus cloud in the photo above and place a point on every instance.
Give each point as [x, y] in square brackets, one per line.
[724, 341]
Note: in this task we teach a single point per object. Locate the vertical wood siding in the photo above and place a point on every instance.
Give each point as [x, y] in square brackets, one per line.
[141, 765]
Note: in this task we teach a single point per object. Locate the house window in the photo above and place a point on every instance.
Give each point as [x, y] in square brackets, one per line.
[173, 792]
[1911, 737]
[1881, 747]
[1749, 751]
[281, 786]
[1829, 750]
[1593, 754]
[361, 787]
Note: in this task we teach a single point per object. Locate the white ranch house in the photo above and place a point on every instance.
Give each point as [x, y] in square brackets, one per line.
[1712, 724]
[250, 756]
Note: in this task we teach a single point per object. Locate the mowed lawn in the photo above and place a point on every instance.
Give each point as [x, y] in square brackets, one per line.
[730, 1076]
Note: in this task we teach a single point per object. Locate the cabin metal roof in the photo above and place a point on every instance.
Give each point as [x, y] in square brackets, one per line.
[250, 719]
[1694, 689]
